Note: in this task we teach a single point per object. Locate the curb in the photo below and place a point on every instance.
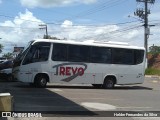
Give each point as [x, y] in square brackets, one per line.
[152, 76]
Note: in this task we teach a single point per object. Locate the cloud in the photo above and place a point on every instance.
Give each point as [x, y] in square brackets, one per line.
[99, 33]
[53, 3]
[66, 24]
[19, 31]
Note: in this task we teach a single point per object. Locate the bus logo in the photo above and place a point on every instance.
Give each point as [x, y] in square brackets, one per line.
[72, 70]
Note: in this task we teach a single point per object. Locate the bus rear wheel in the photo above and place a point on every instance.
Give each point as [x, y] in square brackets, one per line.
[109, 83]
[41, 81]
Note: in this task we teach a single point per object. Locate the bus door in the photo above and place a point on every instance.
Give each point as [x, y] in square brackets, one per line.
[35, 61]
[25, 73]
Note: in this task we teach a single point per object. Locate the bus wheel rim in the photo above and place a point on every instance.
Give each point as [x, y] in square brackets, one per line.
[43, 81]
[109, 84]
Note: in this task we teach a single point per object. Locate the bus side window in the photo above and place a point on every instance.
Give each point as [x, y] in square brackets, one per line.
[59, 52]
[123, 56]
[101, 55]
[42, 54]
[139, 55]
[78, 53]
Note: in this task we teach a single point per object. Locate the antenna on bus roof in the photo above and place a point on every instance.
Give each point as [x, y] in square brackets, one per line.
[111, 42]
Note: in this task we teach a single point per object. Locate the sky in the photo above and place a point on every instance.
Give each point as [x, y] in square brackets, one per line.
[79, 20]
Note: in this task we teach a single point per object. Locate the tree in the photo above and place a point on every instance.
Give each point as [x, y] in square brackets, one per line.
[154, 49]
[53, 38]
[8, 55]
[1, 47]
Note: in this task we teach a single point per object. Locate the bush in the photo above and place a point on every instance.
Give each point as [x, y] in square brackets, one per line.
[152, 71]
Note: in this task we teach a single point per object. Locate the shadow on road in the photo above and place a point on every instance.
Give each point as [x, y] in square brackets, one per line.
[49, 103]
[91, 87]
[67, 86]
[132, 88]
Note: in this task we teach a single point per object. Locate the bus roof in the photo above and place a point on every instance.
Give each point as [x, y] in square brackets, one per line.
[92, 43]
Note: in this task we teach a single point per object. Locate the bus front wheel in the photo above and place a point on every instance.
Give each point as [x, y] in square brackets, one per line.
[109, 83]
[41, 81]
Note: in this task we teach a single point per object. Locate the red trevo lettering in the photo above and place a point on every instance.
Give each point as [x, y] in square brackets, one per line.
[62, 71]
[68, 71]
[81, 71]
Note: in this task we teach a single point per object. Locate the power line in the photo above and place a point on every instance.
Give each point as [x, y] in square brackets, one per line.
[98, 8]
[115, 32]
[104, 25]
[119, 31]
[7, 16]
[100, 25]
[122, 23]
[18, 27]
[122, 33]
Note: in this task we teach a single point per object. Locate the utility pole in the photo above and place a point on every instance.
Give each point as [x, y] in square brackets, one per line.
[143, 14]
[44, 26]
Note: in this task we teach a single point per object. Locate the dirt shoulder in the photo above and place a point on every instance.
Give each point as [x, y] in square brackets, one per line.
[154, 61]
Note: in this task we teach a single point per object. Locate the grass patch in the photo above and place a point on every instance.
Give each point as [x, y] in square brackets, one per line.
[152, 71]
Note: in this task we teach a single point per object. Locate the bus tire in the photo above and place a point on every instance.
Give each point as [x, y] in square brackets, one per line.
[9, 77]
[32, 84]
[41, 81]
[109, 83]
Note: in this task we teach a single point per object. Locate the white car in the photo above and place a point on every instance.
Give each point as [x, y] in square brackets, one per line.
[6, 74]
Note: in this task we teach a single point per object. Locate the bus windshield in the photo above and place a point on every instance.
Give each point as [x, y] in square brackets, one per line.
[21, 55]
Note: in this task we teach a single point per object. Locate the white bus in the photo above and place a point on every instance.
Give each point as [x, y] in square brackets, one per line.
[97, 63]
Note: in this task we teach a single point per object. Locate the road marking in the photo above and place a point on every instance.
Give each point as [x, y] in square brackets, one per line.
[55, 90]
[146, 118]
[47, 106]
[91, 98]
[155, 81]
[134, 107]
[98, 106]
[87, 98]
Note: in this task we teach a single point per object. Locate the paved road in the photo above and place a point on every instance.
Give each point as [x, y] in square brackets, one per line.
[86, 98]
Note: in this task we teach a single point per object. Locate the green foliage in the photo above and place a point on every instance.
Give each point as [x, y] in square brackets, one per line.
[50, 37]
[154, 49]
[152, 71]
[1, 47]
[53, 38]
[8, 55]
